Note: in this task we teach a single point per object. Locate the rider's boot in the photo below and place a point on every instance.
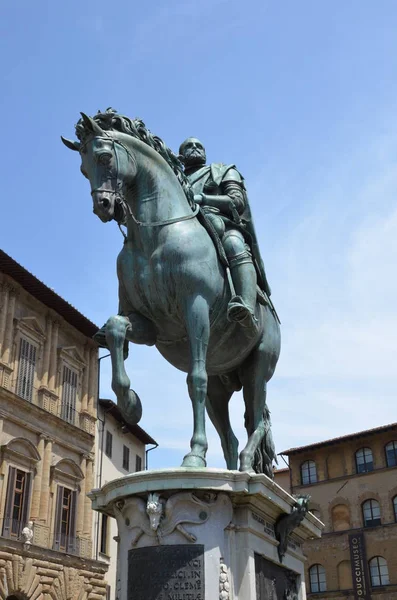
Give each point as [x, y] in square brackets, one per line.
[241, 307]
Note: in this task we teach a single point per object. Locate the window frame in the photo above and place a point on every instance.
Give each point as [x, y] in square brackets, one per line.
[126, 458]
[368, 465]
[394, 501]
[394, 443]
[65, 541]
[30, 368]
[381, 576]
[311, 479]
[109, 444]
[104, 541]
[138, 463]
[12, 528]
[322, 584]
[69, 394]
[374, 522]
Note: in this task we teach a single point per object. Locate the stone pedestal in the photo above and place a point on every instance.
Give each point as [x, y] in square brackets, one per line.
[204, 534]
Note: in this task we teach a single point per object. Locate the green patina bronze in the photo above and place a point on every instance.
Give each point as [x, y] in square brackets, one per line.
[191, 279]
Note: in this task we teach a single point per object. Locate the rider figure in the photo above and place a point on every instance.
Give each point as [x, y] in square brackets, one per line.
[219, 190]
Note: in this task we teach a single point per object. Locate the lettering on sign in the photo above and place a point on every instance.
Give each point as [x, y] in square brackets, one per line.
[267, 527]
[359, 567]
[166, 573]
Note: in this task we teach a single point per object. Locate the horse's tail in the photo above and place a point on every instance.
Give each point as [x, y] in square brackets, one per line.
[266, 452]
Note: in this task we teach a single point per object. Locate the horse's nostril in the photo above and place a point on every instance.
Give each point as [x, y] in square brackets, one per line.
[105, 203]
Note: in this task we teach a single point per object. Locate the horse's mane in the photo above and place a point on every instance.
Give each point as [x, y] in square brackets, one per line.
[111, 120]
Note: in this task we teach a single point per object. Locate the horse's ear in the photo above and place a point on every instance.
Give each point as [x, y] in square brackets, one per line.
[71, 145]
[92, 125]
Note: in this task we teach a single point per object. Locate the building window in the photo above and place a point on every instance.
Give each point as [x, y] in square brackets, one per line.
[65, 520]
[26, 370]
[308, 472]
[318, 581]
[17, 502]
[371, 513]
[395, 507]
[109, 444]
[138, 463]
[340, 517]
[379, 572]
[104, 535]
[364, 460]
[391, 454]
[69, 395]
[126, 458]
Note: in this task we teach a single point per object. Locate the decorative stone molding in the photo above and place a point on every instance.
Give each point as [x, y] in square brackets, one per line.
[87, 422]
[48, 400]
[34, 578]
[5, 376]
[67, 471]
[159, 518]
[224, 586]
[20, 451]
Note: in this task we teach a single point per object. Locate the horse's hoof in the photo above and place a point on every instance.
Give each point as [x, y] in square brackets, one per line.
[194, 461]
[132, 409]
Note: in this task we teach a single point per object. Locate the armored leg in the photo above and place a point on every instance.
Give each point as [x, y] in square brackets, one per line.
[242, 306]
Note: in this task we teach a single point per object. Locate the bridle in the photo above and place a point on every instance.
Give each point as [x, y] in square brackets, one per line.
[119, 196]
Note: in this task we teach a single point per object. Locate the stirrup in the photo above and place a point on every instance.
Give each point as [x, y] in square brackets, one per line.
[239, 312]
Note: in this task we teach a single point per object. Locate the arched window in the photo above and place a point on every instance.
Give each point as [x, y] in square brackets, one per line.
[364, 460]
[340, 517]
[379, 571]
[395, 507]
[318, 581]
[308, 472]
[371, 513]
[391, 454]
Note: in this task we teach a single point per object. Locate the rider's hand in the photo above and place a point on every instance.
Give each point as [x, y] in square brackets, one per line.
[199, 199]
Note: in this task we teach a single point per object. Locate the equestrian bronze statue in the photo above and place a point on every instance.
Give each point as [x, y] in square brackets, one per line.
[191, 280]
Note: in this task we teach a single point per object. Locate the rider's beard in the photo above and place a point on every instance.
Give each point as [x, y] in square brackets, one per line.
[195, 157]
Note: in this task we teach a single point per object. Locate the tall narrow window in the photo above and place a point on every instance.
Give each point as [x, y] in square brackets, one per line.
[65, 520]
[138, 463]
[69, 395]
[308, 472]
[364, 460]
[379, 571]
[104, 535]
[318, 582]
[391, 454]
[17, 502]
[395, 507]
[109, 444]
[26, 369]
[371, 513]
[126, 458]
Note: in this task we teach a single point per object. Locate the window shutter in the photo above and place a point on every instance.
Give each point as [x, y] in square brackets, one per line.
[72, 524]
[26, 370]
[69, 394]
[57, 523]
[26, 501]
[9, 502]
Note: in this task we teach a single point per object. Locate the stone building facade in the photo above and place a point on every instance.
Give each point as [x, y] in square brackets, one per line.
[121, 449]
[48, 392]
[352, 481]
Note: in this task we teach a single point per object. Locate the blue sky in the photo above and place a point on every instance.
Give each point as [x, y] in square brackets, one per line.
[302, 97]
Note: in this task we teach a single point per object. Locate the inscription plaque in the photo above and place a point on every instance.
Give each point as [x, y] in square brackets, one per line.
[274, 582]
[166, 573]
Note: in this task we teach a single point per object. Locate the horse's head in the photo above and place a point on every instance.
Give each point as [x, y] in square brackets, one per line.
[107, 164]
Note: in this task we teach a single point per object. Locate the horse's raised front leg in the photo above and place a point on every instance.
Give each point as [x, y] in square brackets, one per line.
[127, 400]
[198, 330]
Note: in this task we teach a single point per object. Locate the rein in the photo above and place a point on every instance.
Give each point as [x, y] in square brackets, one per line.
[120, 198]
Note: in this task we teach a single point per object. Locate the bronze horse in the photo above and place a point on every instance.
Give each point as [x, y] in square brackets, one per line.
[173, 290]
